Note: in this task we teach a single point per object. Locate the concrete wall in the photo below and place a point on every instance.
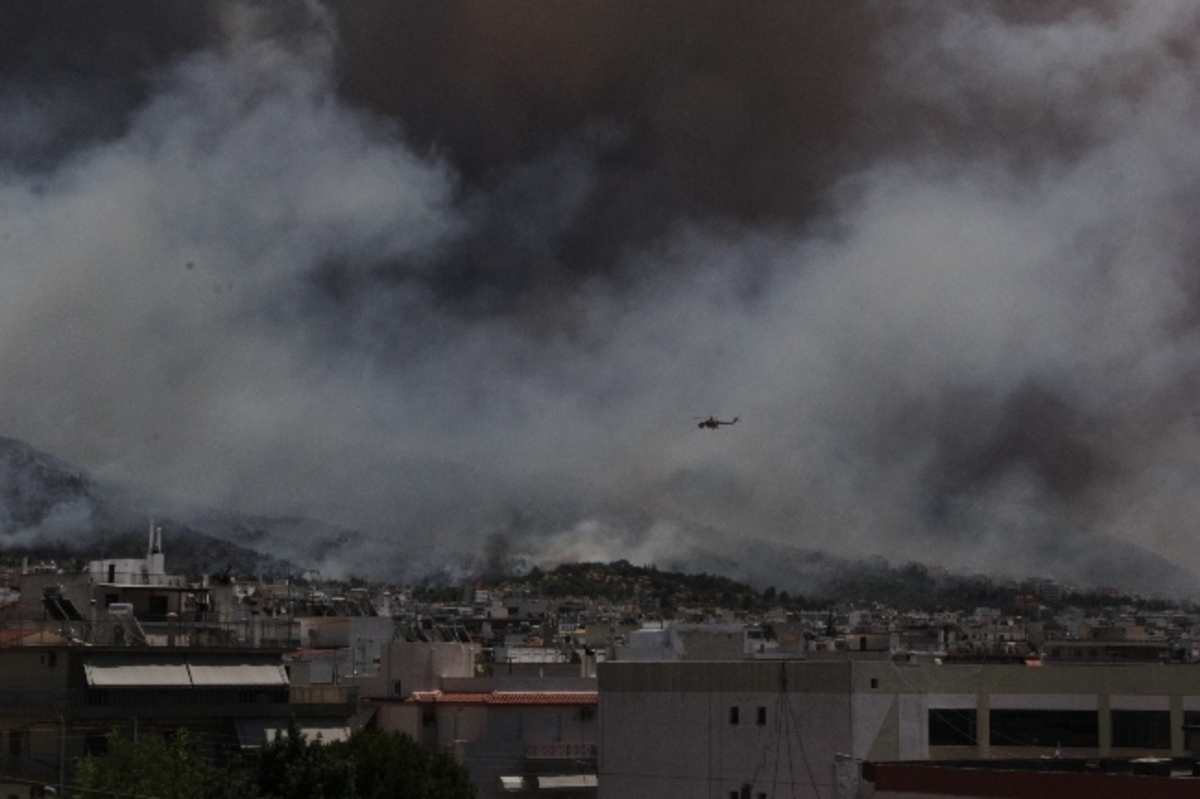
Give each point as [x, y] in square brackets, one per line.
[418, 667]
[667, 729]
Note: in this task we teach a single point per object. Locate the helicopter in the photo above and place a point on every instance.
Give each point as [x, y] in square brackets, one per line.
[712, 423]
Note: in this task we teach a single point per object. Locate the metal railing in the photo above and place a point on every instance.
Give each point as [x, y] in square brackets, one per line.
[264, 632]
[561, 751]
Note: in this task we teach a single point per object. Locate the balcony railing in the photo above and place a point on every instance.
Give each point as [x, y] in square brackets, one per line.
[325, 694]
[268, 632]
[561, 751]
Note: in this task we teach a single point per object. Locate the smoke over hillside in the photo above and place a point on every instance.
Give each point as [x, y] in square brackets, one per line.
[458, 276]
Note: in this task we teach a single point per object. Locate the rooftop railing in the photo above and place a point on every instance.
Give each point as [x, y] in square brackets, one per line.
[264, 632]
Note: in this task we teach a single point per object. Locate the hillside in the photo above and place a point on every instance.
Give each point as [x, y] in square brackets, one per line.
[908, 587]
[50, 509]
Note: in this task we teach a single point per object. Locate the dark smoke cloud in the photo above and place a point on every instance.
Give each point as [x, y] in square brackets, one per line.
[75, 73]
[425, 269]
[671, 111]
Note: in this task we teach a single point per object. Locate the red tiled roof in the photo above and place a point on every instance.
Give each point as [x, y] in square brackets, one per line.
[12, 636]
[29, 635]
[508, 698]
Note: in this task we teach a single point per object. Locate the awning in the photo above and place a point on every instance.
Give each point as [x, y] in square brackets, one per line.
[208, 675]
[548, 782]
[512, 784]
[256, 733]
[119, 672]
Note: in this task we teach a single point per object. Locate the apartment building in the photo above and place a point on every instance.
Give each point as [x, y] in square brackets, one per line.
[521, 729]
[125, 647]
[57, 703]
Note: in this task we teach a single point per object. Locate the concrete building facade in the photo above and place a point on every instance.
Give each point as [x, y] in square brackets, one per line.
[792, 729]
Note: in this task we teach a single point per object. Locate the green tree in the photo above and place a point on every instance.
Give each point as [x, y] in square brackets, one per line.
[159, 766]
[292, 766]
[388, 765]
[368, 765]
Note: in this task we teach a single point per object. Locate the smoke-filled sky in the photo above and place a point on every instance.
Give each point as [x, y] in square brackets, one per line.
[459, 273]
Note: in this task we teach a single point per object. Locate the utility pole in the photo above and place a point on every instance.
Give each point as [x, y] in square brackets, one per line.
[62, 755]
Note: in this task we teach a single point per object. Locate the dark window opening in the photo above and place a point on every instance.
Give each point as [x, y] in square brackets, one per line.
[429, 717]
[1045, 728]
[762, 715]
[733, 715]
[158, 606]
[953, 728]
[97, 696]
[95, 744]
[1141, 729]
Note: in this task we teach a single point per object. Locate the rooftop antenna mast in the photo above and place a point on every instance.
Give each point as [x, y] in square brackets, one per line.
[155, 545]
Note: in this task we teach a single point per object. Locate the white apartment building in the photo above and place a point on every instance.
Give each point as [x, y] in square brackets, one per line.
[796, 729]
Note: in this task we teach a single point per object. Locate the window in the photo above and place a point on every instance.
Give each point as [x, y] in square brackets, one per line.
[952, 728]
[158, 606]
[396, 689]
[1141, 729]
[97, 697]
[874, 682]
[762, 715]
[733, 715]
[1045, 728]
